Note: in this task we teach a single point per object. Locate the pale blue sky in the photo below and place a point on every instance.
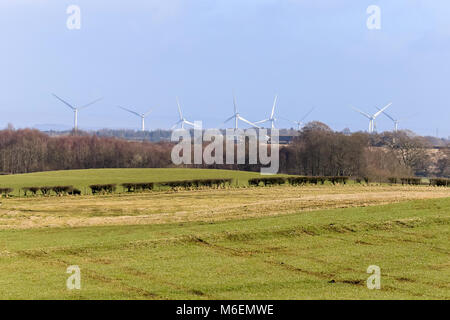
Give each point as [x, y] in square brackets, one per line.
[141, 54]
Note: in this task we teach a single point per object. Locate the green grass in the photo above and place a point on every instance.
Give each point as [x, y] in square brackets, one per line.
[81, 179]
[321, 254]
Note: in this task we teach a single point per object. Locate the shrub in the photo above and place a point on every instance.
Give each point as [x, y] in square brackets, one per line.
[142, 186]
[62, 190]
[218, 183]
[187, 184]
[254, 182]
[392, 180]
[440, 182]
[102, 188]
[313, 180]
[145, 186]
[6, 191]
[295, 181]
[75, 192]
[33, 190]
[273, 181]
[174, 185]
[199, 183]
[130, 187]
[411, 181]
[45, 190]
[344, 180]
[338, 179]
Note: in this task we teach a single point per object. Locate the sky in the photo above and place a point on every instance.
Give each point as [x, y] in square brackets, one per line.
[142, 54]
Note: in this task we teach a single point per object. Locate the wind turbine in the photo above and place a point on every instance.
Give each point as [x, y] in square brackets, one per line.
[182, 120]
[272, 118]
[140, 115]
[236, 116]
[75, 109]
[372, 118]
[300, 122]
[396, 121]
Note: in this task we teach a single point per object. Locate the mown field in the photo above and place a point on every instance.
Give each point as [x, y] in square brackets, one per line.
[310, 242]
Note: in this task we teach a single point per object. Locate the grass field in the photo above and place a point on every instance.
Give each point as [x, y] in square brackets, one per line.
[81, 179]
[311, 242]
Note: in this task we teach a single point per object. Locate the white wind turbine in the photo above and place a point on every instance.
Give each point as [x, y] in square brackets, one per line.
[272, 118]
[236, 116]
[372, 118]
[396, 121]
[75, 109]
[140, 115]
[300, 122]
[182, 120]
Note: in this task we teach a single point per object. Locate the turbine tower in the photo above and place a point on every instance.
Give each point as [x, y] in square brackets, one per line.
[272, 118]
[300, 122]
[372, 118]
[182, 120]
[236, 116]
[140, 115]
[76, 109]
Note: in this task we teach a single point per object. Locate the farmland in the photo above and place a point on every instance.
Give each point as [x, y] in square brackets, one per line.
[280, 242]
[83, 178]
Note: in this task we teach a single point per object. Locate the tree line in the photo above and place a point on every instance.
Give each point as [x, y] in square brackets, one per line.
[24, 151]
[319, 151]
[316, 151]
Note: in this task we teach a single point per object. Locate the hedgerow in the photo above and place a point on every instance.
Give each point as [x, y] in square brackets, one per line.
[5, 192]
[102, 188]
[440, 182]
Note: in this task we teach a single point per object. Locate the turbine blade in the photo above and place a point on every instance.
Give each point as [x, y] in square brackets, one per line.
[65, 102]
[179, 109]
[362, 112]
[90, 103]
[230, 118]
[273, 108]
[285, 119]
[382, 110]
[262, 121]
[387, 115]
[309, 112]
[249, 122]
[148, 112]
[176, 124]
[234, 104]
[189, 123]
[130, 111]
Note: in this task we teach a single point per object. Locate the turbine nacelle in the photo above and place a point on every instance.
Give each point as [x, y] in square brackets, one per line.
[140, 115]
[236, 116]
[372, 118]
[299, 123]
[182, 120]
[272, 118]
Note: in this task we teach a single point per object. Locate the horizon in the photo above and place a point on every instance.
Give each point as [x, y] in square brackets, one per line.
[311, 54]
